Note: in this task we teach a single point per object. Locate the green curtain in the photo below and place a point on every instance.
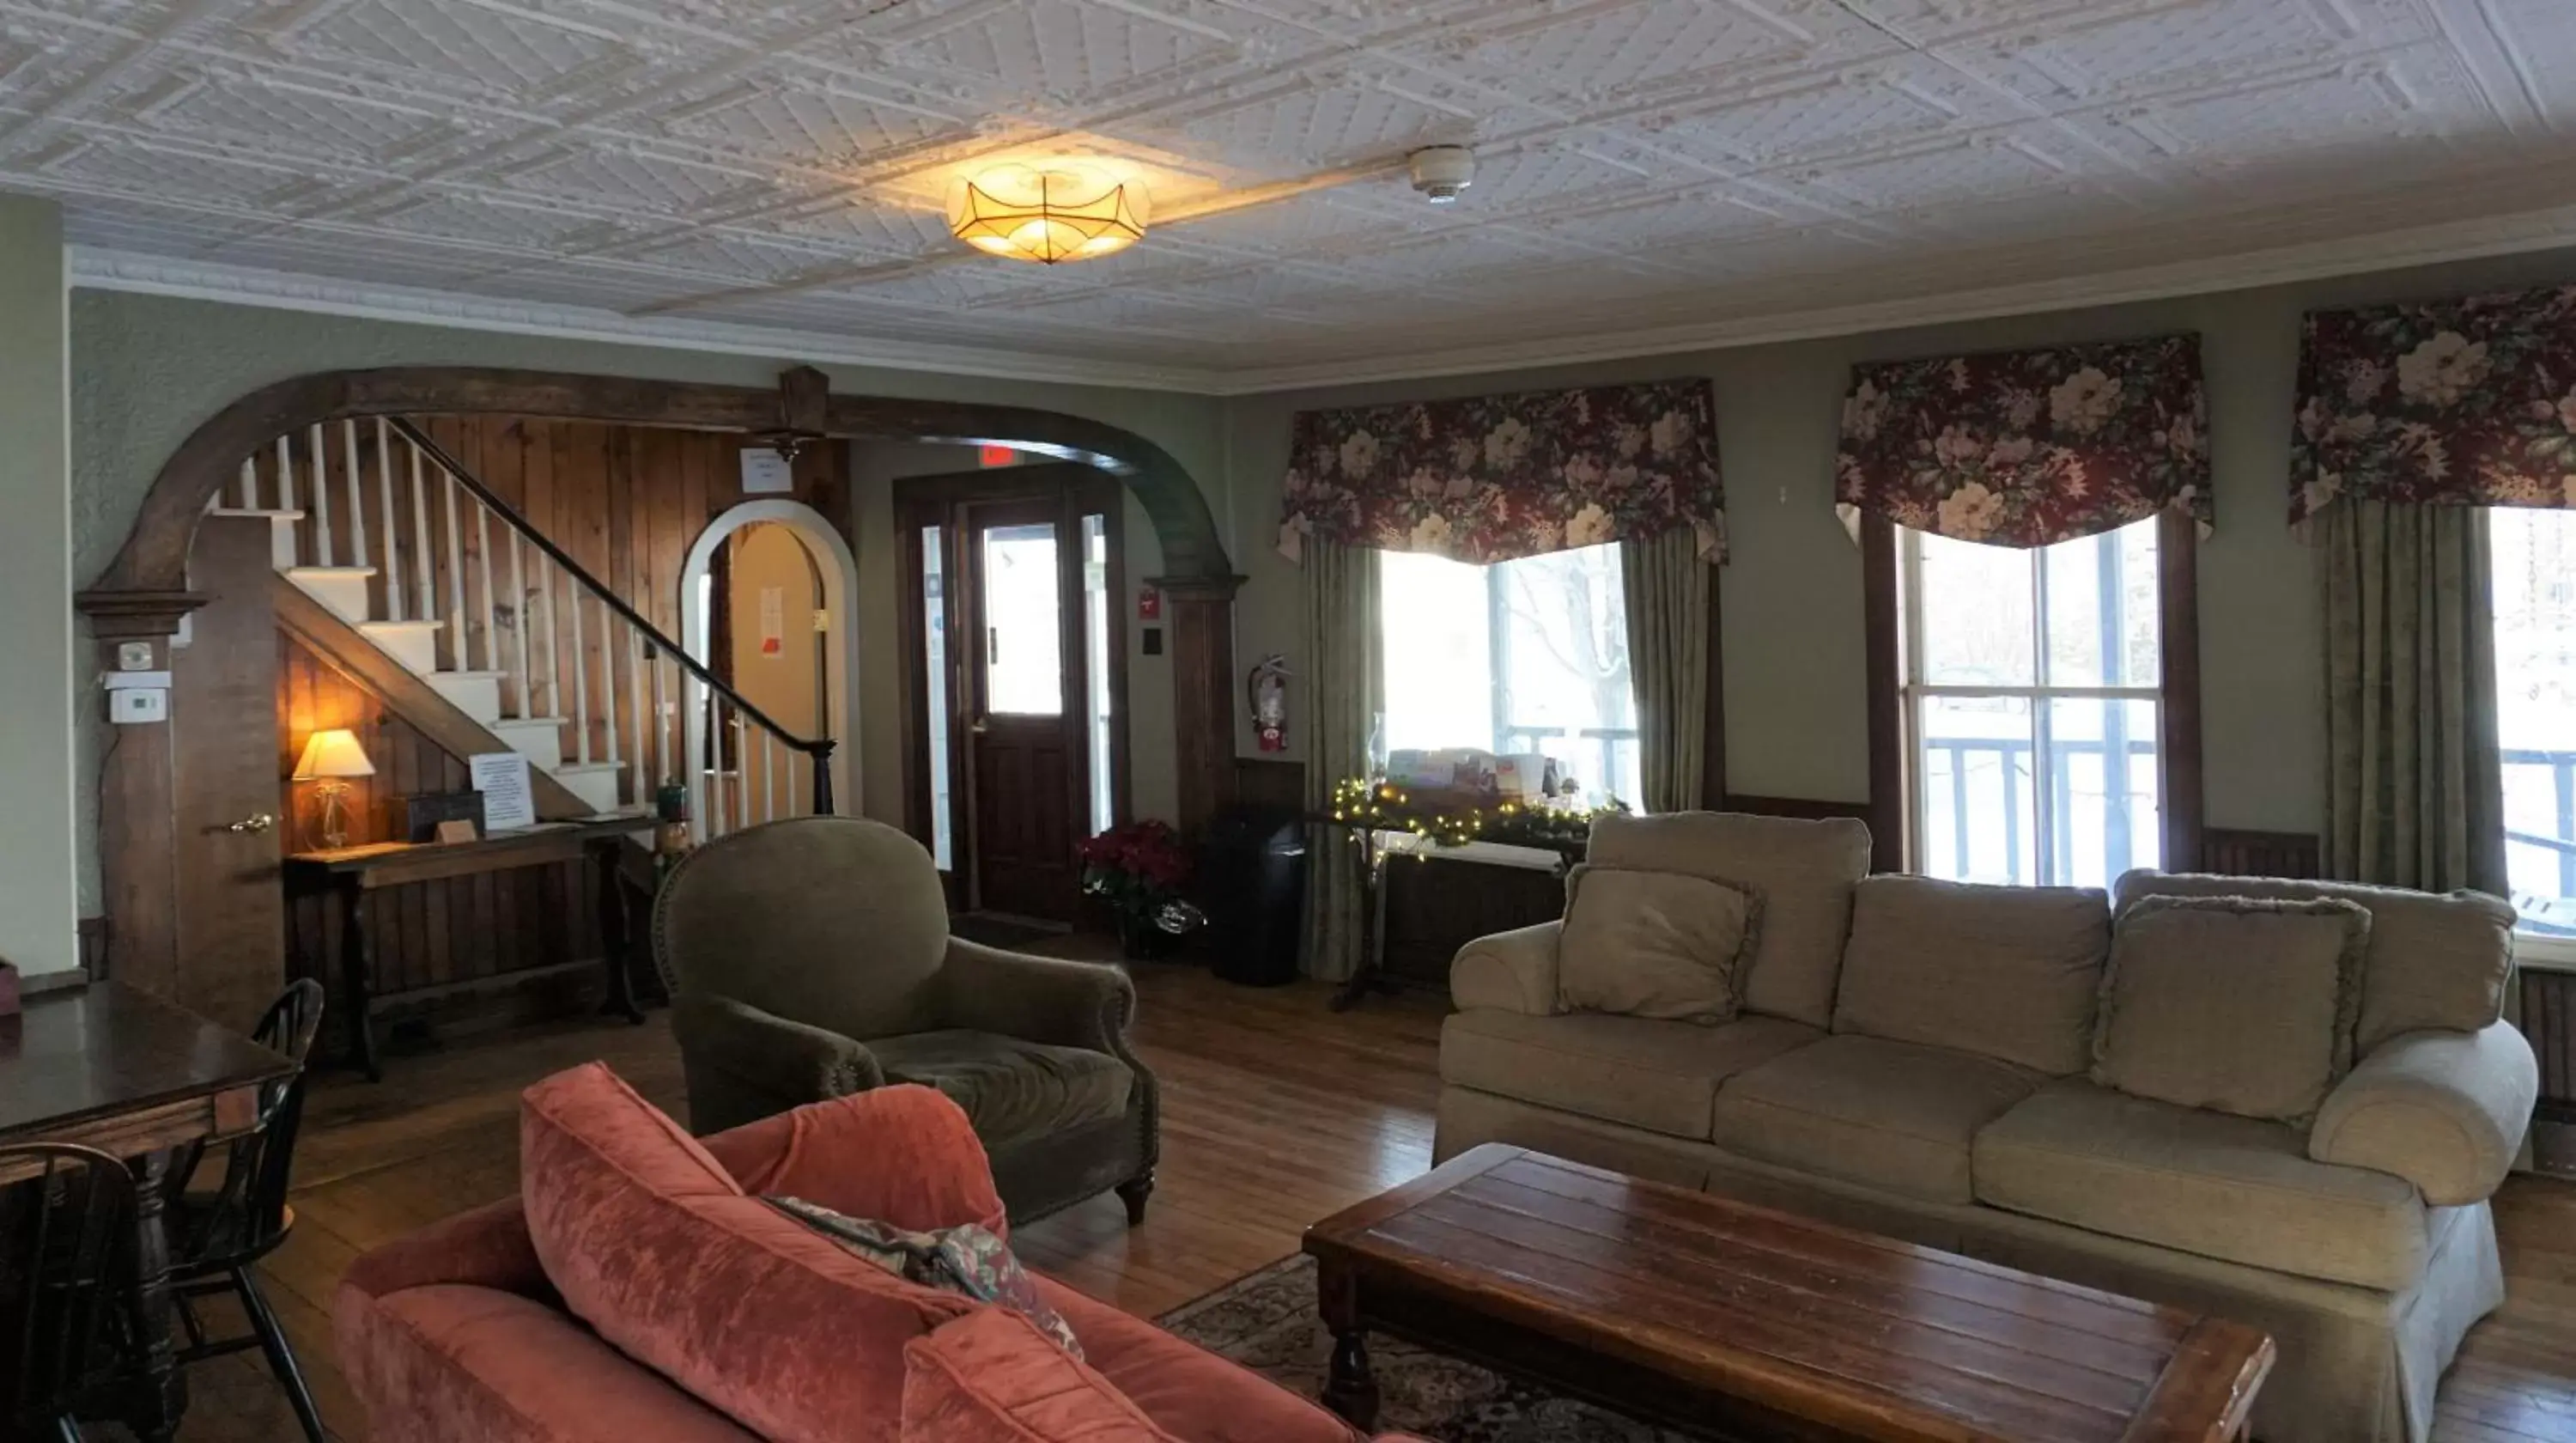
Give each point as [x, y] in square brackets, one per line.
[2414, 795]
[1667, 594]
[1342, 704]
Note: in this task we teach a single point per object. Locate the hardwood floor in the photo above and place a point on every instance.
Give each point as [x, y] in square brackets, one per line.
[1276, 1113]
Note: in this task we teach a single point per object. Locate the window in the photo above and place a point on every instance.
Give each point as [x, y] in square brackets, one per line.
[1520, 656]
[2031, 701]
[2534, 559]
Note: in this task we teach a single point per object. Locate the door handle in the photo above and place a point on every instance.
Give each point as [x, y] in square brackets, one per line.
[980, 727]
[255, 823]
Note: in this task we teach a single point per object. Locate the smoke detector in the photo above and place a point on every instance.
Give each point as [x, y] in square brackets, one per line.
[1442, 172]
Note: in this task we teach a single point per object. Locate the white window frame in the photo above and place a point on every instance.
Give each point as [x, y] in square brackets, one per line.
[1913, 691]
[2540, 951]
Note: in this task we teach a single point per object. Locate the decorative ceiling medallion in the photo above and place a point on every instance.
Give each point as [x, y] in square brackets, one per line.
[1048, 216]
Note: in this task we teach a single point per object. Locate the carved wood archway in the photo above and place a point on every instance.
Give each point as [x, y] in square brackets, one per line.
[144, 592]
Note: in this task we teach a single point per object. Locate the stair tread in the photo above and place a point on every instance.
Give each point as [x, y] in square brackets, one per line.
[270, 512]
[330, 571]
[469, 675]
[587, 767]
[529, 721]
[402, 625]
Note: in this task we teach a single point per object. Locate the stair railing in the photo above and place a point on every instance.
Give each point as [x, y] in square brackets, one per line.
[422, 526]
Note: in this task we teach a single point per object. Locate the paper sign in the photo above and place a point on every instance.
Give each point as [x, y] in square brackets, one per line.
[773, 621]
[765, 472]
[508, 802]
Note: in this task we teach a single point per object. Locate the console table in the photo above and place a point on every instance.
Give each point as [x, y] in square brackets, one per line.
[1382, 849]
[354, 874]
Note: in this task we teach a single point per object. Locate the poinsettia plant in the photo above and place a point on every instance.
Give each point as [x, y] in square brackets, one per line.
[1137, 869]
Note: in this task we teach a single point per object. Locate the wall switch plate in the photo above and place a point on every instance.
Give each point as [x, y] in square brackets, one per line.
[134, 656]
[1153, 641]
[128, 706]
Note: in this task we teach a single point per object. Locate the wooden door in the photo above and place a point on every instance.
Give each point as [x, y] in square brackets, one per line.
[1024, 742]
[230, 909]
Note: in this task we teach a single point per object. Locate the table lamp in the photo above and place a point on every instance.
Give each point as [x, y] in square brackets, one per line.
[330, 758]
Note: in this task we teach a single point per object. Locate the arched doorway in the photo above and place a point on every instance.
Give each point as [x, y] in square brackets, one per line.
[760, 551]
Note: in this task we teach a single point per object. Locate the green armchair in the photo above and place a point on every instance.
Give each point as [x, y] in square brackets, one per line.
[810, 959]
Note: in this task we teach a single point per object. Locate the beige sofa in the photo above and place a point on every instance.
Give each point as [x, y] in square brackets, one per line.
[1911, 1058]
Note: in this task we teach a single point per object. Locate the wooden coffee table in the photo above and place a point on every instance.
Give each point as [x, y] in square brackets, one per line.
[1716, 1316]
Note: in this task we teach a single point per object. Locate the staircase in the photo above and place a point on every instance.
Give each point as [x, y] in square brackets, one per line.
[393, 537]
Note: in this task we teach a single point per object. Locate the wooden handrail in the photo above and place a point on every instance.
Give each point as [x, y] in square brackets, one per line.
[818, 749]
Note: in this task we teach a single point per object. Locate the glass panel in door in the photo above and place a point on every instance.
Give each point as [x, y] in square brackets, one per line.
[1023, 621]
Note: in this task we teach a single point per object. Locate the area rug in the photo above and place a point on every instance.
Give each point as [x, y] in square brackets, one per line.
[1266, 1321]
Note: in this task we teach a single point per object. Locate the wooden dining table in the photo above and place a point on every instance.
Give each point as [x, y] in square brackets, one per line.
[112, 1067]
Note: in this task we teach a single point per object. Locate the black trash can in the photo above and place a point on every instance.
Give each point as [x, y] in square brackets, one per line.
[1252, 885]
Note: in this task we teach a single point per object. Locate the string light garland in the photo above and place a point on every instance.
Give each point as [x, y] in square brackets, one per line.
[1366, 804]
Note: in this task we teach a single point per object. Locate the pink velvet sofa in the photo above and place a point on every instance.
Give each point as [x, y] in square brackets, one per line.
[455, 1333]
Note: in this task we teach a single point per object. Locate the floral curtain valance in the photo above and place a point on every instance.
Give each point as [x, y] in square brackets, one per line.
[1492, 478]
[2027, 448]
[2464, 403]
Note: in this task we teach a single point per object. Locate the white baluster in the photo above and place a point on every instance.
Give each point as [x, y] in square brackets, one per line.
[644, 780]
[608, 678]
[456, 638]
[661, 733]
[768, 775]
[741, 771]
[321, 488]
[580, 674]
[712, 764]
[519, 619]
[357, 496]
[285, 474]
[250, 484]
[393, 527]
[483, 561]
[693, 735]
[554, 638]
[427, 607]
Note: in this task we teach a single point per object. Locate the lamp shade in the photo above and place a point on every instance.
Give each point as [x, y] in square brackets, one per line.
[1047, 216]
[333, 753]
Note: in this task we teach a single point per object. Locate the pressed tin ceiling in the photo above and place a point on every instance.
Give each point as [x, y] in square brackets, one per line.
[773, 173]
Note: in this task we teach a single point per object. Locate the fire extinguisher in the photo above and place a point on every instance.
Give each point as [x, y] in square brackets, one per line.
[1266, 689]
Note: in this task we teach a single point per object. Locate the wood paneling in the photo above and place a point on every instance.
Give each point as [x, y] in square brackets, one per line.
[433, 933]
[1260, 781]
[229, 914]
[1435, 907]
[2258, 854]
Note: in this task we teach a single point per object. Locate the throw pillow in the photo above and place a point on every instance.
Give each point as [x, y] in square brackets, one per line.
[967, 1260]
[2004, 972]
[2234, 1004]
[993, 1377]
[1653, 944]
[647, 1239]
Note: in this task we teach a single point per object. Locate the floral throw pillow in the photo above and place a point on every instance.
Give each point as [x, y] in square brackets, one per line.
[967, 1260]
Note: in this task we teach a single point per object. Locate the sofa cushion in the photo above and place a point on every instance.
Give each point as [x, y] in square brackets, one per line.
[1801, 871]
[2230, 1003]
[2232, 1188]
[2005, 972]
[650, 1242]
[991, 1377]
[1187, 1390]
[2435, 960]
[1010, 1088]
[1652, 944]
[1660, 1076]
[1896, 1116]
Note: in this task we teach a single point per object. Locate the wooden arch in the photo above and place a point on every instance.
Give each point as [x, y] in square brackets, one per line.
[144, 591]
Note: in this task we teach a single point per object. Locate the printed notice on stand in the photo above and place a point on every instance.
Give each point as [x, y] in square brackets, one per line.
[766, 472]
[508, 802]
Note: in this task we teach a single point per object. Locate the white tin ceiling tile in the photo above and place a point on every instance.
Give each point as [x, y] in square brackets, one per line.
[2242, 127]
[660, 185]
[295, 118]
[1058, 51]
[732, 258]
[452, 44]
[498, 221]
[1609, 49]
[151, 170]
[810, 124]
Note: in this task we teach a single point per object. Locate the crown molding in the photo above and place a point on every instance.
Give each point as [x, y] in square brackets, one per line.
[2389, 250]
[115, 270]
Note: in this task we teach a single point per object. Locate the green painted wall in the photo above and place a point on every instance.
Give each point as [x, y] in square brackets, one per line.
[38, 922]
[1791, 598]
[147, 370]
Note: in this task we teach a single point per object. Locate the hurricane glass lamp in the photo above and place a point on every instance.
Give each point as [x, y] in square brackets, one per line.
[1049, 216]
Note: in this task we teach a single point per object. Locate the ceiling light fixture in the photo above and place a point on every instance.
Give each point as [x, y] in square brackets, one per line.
[1046, 215]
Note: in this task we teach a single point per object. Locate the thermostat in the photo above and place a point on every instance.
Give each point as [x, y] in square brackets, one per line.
[127, 706]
